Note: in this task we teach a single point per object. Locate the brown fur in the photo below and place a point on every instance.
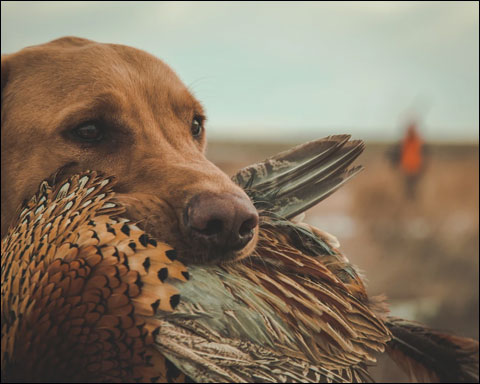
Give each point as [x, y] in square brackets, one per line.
[49, 89]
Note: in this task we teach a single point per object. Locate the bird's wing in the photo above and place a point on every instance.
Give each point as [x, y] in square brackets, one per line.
[234, 325]
[285, 185]
[224, 331]
[293, 181]
[279, 303]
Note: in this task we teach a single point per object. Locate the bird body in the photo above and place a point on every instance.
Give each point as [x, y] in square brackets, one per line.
[89, 296]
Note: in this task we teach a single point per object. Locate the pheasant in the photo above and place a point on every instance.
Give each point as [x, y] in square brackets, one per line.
[87, 296]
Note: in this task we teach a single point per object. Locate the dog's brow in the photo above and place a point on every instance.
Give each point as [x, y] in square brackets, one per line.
[185, 104]
[184, 110]
[110, 99]
[102, 106]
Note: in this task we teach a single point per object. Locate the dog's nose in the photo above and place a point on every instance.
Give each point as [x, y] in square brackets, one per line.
[225, 222]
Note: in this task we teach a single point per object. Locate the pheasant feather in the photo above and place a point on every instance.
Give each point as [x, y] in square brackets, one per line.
[87, 296]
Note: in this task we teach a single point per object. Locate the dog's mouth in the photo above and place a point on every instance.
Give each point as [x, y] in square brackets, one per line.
[158, 218]
[193, 254]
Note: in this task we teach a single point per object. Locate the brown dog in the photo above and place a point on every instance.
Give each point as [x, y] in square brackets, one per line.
[74, 104]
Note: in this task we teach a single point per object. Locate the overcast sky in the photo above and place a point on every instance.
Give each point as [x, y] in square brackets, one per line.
[286, 70]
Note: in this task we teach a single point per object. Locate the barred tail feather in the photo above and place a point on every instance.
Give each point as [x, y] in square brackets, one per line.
[428, 355]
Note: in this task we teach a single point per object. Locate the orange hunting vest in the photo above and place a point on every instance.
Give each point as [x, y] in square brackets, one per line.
[411, 160]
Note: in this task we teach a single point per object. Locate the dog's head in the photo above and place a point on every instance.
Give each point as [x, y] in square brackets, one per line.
[74, 104]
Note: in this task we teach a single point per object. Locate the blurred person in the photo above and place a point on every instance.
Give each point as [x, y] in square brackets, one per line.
[409, 155]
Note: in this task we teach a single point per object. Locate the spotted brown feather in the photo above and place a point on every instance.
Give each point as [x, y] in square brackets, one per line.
[77, 295]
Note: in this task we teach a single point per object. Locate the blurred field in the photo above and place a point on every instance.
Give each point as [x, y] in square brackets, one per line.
[422, 254]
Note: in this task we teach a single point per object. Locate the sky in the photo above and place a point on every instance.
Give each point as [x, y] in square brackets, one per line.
[292, 70]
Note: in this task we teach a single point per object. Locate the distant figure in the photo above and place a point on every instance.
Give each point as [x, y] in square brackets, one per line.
[410, 156]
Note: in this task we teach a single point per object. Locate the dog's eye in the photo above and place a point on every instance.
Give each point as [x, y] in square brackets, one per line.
[197, 126]
[88, 132]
